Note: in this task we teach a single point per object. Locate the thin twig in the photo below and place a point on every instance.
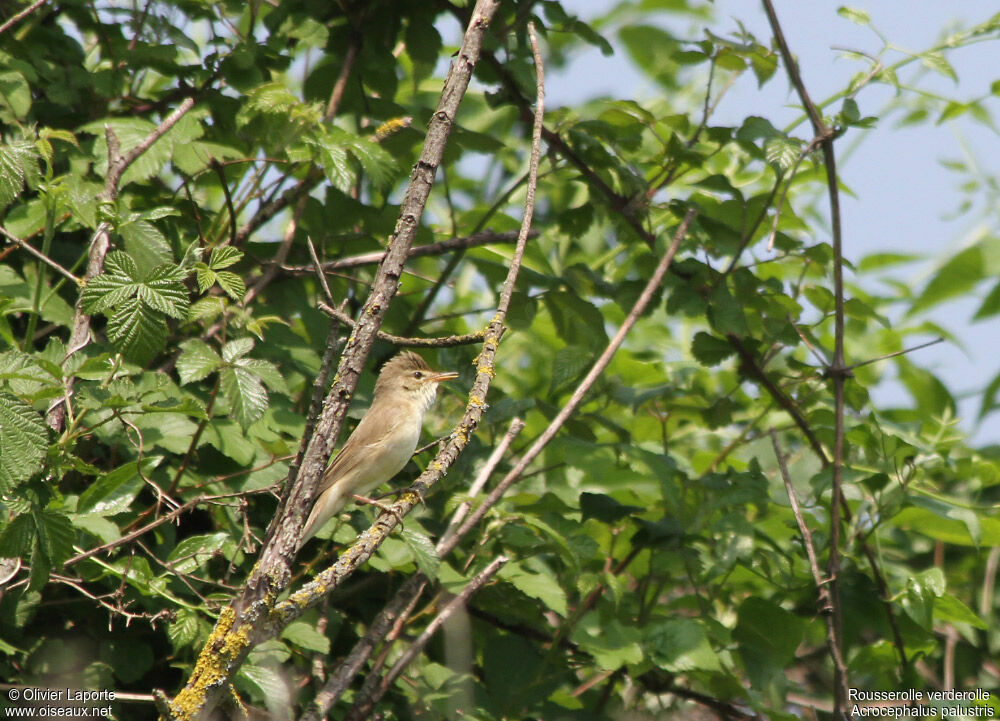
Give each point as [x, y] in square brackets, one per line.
[187, 506]
[442, 342]
[837, 369]
[318, 267]
[822, 588]
[472, 241]
[581, 390]
[893, 355]
[366, 704]
[40, 255]
[21, 15]
[515, 428]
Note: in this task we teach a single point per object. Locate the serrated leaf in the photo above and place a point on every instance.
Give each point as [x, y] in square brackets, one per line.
[197, 361]
[137, 330]
[16, 159]
[224, 256]
[231, 283]
[245, 393]
[164, 286]
[424, 553]
[56, 534]
[184, 629]
[544, 588]
[194, 551]
[237, 349]
[116, 284]
[782, 152]
[710, 350]
[267, 372]
[205, 276]
[23, 441]
[17, 536]
[114, 492]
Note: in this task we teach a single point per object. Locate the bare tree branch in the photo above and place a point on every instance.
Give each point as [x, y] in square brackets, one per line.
[365, 705]
[822, 588]
[21, 15]
[242, 624]
[475, 240]
[443, 342]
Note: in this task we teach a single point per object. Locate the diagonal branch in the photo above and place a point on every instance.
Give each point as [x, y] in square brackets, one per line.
[240, 625]
[21, 15]
[826, 602]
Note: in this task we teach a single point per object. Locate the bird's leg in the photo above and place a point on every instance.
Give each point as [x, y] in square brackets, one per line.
[378, 504]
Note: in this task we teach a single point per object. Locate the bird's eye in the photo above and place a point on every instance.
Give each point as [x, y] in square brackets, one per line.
[418, 374]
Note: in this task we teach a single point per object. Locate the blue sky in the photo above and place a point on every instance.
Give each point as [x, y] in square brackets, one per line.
[905, 199]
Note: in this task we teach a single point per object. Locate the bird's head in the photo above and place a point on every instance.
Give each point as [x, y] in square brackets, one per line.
[409, 376]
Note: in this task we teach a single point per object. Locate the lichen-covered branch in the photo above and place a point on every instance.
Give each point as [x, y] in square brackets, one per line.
[243, 622]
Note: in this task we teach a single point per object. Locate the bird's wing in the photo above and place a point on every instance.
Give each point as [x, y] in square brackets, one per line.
[352, 454]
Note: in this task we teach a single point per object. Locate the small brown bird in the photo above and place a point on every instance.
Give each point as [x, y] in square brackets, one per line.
[384, 440]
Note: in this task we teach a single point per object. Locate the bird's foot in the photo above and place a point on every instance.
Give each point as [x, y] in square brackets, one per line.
[378, 504]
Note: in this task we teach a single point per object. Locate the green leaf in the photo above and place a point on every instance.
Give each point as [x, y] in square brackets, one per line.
[23, 441]
[710, 350]
[197, 361]
[861, 17]
[145, 244]
[569, 364]
[237, 349]
[544, 588]
[18, 162]
[612, 644]
[424, 553]
[183, 631]
[937, 62]
[766, 637]
[267, 372]
[245, 393]
[138, 331]
[15, 94]
[17, 536]
[307, 637]
[112, 287]
[56, 535]
[681, 645]
[962, 272]
[224, 256]
[950, 609]
[163, 290]
[114, 492]
[231, 283]
[194, 551]
[605, 508]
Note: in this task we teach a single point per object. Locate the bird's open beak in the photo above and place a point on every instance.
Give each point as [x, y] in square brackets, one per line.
[445, 376]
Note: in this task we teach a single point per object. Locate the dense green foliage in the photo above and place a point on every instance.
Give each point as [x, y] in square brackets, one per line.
[655, 559]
